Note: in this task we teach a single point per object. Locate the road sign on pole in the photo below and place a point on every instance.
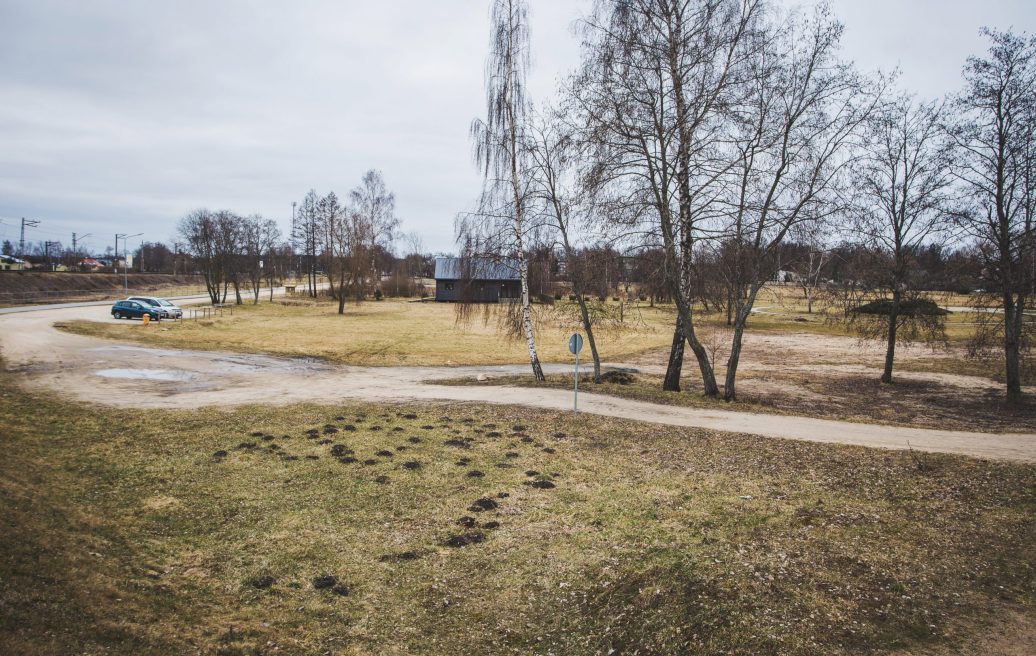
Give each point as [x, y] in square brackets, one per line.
[575, 345]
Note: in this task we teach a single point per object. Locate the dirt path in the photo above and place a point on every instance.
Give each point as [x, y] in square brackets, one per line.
[125, 375]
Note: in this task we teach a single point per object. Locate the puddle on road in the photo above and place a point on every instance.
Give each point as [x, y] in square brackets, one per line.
[146, 374]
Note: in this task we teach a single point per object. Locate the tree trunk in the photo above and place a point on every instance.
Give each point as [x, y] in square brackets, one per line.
[212, 288]
[312, 276]
[675, 367]
[890, 351]
[730, 382]
[534, 359]
[708, 374]
[1012, 346]
[740, 321]
[589, 334]
[516, 190]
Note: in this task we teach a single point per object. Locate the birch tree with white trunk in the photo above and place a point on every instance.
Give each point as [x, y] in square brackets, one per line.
[499, 140]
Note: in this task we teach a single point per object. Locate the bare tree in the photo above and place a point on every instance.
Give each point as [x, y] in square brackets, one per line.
[374, 225]
[258, 236]
[792, 132]
[278, 261]
[227, 229]
[499, 140]
[307, 237]
[995, 133]
[903, 177]
[556, 195]
[339, 237]
[810, 267]
[202, 237]
[655, 86]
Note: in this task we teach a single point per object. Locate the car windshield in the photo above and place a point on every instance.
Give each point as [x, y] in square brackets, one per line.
[164, 302]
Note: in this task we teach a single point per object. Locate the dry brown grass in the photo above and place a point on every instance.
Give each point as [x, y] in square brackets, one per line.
[396, 332]
[838, 396]
[383, 333]
[123, 532]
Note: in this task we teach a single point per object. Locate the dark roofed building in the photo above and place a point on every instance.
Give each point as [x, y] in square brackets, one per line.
[489, 281]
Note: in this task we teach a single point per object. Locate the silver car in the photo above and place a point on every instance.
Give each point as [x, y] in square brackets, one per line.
[164, 307]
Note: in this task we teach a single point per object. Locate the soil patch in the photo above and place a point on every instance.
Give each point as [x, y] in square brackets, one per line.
[464, 539]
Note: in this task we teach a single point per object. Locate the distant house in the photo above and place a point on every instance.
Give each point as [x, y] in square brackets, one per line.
[488, 281]
[11, 263]
[89, 264]
[783, 276]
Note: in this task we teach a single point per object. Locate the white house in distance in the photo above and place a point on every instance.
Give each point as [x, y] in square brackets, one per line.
[11, 263]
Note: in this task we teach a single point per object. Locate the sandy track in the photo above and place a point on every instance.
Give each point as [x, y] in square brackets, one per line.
[77, 366]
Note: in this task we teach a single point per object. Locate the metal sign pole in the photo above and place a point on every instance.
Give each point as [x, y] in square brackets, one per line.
[575, 345]
[575, 398]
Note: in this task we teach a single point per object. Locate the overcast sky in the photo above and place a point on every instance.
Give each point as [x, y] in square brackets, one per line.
[121, 116]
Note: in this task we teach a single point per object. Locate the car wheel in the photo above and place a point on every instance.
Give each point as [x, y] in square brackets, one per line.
[117, 315]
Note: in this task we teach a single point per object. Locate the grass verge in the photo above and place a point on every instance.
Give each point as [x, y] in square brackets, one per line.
[215, 531]
[846, 397]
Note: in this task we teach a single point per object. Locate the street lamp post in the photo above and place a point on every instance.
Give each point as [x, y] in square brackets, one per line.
[125, 263]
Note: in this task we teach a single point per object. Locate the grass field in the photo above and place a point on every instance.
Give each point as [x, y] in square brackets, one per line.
[402, 333]
[182, 532]
[382, 333]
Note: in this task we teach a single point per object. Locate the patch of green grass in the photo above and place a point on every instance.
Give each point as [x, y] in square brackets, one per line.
[123, 532]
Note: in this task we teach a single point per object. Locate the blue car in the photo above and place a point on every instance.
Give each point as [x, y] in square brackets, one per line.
[134, 310]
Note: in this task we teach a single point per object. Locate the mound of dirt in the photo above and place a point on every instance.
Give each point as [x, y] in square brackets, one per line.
[464, 539]
[618, 377]
[324, 582]
[262, 582]
[485, 503]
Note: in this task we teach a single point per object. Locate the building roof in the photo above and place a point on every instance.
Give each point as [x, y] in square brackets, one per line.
[451, 268]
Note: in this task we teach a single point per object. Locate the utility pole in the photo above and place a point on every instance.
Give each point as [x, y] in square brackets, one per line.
[46, 252]
[125, 265]
[75, 244]
[32, 223]
[294, 237]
